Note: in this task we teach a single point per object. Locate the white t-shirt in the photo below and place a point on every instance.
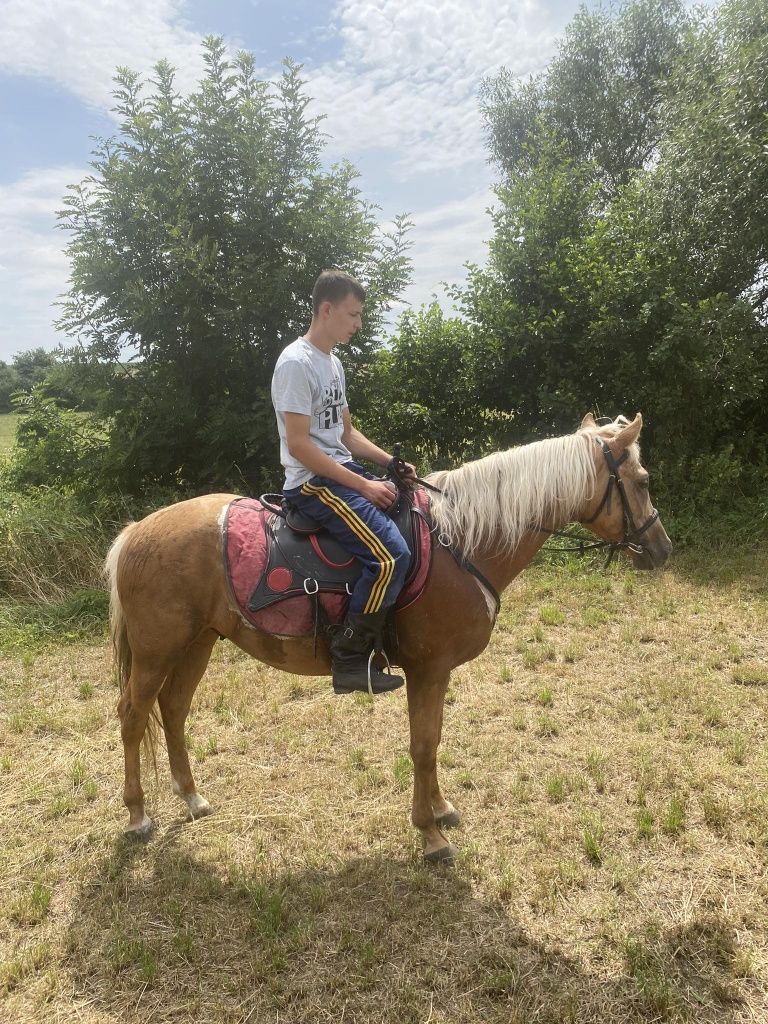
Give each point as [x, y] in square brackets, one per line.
[310, 382]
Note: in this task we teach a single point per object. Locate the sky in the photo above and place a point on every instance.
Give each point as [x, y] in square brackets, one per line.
[409, 72]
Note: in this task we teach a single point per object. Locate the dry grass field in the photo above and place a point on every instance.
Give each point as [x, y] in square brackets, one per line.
[607, 752]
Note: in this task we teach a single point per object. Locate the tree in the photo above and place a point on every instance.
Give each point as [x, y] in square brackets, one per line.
[195, 244]
[9, 383]
[628, 264]
[601, 98]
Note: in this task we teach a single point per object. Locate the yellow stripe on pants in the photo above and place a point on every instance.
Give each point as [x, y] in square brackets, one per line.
[366, 536]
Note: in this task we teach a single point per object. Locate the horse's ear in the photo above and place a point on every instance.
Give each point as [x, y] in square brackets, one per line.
[588, 421]
[627, 435]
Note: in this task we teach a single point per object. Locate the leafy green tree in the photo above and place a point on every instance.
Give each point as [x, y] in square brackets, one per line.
[601, 98]
[423, 390]
[633, 276]
[195, 245]
[33, 366]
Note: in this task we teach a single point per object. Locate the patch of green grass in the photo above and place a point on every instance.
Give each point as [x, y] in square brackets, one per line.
[751, 675]
[736, 750]
[592, 835]
[596, 766]
[547, 726]
[402, 769]
[79, 618]
[673, 820]
[29, 962]
[551, 615]
[8, 423]
[645, 821]
[557, 788]
[33, 906]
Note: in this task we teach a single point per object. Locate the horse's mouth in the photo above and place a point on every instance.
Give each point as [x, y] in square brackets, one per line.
[650, 558]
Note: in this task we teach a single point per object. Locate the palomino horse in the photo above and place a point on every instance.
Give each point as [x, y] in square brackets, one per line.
[170, 602]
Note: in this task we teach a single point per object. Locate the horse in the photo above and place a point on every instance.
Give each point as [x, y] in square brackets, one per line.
[170, 601]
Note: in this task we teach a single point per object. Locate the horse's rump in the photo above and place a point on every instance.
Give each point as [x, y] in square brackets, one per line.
[246, 546]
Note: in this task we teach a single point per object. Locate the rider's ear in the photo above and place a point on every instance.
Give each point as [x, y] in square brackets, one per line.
[626, 436]
[588, 421]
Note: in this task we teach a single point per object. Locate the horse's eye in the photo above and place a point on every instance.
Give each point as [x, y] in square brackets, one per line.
[643, 483]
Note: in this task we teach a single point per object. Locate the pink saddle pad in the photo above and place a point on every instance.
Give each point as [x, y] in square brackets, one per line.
[245, 552]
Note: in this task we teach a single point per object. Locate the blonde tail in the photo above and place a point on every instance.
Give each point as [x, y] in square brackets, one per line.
[121, 648]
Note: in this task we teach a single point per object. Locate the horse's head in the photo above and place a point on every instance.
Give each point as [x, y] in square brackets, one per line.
[621, 509]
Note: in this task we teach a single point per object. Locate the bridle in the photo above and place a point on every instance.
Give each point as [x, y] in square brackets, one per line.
[632, 533]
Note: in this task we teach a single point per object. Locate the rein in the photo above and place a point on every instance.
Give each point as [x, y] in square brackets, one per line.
[629, 541]
[394, 470]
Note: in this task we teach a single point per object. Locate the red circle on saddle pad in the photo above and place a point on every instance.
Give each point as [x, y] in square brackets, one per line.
[279, 579]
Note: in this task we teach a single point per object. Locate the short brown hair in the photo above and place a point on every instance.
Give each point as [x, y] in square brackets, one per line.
[333, 286]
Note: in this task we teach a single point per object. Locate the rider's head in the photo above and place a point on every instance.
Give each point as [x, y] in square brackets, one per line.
[337, 304]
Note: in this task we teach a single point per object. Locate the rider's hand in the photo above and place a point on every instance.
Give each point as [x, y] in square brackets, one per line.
[408, 475]
[404, 472]
[380, 493]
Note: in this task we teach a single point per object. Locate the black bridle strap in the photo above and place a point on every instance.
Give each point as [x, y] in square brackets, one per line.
[464, 563]
[631, 532]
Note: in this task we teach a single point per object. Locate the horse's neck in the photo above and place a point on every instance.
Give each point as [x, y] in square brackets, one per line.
[500, 569]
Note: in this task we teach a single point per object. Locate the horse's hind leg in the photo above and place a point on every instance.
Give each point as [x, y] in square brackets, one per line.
[134, 709]
[175, 699]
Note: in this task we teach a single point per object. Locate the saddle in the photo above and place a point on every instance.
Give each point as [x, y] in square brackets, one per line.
[284, 571]
[303, 558]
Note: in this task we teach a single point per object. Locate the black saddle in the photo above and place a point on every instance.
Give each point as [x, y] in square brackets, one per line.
[303, 558]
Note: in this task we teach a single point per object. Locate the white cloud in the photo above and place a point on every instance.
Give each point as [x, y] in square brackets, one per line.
[33, 267]
[408, 78]
[79, 43]
[445, 238]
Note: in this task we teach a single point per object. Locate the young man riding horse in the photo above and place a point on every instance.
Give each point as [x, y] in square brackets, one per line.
[318, 448]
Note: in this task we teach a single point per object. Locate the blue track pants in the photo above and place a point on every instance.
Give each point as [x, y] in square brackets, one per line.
[363, 530]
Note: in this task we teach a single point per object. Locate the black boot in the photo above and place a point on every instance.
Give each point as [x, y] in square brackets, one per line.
[351, 659]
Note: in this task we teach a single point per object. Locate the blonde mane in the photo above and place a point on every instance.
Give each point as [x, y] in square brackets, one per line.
[501, 497]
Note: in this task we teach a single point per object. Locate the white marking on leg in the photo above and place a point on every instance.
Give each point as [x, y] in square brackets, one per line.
[198, 805]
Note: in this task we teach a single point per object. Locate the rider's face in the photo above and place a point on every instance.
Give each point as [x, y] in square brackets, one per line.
[344, 318]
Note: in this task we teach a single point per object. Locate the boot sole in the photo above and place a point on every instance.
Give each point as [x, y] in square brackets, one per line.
[357, 689]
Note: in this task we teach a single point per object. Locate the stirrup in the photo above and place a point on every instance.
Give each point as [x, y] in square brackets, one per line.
[371, 656]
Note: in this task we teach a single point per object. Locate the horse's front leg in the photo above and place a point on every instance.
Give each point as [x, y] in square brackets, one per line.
[426, 693]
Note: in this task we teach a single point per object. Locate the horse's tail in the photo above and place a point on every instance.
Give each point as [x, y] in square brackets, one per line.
[117, 626]
[121, 648]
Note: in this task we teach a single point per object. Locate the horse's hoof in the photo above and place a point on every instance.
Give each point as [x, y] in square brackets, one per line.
[445, 856]
[141, 833]
[198, 807]
[450, 820]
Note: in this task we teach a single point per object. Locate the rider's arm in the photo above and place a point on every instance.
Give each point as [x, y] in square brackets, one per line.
[304, 450]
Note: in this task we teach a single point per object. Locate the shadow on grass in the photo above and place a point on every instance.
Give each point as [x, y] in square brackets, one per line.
[163, 934]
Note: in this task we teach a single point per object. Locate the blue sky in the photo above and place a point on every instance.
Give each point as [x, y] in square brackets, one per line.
[408, 71]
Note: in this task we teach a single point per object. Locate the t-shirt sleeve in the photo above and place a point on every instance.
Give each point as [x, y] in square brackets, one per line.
[291, 388]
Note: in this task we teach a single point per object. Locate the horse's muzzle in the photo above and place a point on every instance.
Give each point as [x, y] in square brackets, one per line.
[656, 549]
